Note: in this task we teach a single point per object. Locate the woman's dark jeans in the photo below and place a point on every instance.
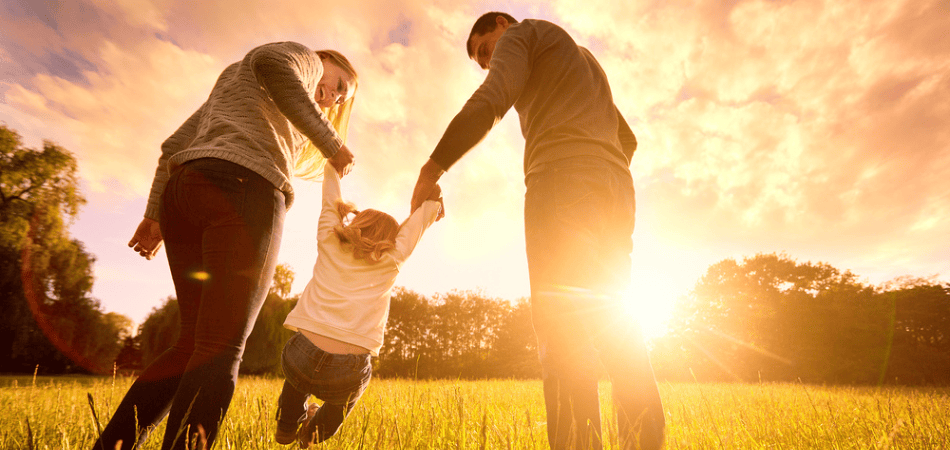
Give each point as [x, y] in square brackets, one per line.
[222, 224]
[579, 218]
[338, 380]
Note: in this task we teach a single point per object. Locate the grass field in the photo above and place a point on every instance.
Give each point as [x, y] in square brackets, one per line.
[54, 413]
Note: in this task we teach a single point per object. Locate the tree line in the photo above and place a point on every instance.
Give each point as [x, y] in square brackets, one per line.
[762, 318]
[766, 318]
[771, 318]
[455, 335]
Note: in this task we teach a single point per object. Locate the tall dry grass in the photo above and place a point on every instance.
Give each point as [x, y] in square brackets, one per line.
[55, 413]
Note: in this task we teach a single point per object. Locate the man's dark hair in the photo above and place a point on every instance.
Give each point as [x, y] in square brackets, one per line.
[486, 24]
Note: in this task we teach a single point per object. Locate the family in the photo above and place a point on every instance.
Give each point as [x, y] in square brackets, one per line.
[223, 186]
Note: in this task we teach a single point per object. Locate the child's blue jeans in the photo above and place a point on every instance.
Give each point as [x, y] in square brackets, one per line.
[338, 380]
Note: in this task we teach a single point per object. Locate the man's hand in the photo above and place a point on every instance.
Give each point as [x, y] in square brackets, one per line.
[342, 161]
[428, 177]
[147, 239]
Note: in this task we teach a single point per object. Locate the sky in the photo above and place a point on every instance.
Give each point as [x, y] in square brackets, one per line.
[813, 128]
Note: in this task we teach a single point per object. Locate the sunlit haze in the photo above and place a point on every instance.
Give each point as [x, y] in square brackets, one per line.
[814, 128]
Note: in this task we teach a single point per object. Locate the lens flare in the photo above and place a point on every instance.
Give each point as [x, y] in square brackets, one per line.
[200, 275]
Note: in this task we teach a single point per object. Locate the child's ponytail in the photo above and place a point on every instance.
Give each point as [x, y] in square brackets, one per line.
[345, 208]
[369, 235]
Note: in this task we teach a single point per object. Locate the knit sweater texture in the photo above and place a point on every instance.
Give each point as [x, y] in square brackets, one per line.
[260, 114]
[348, 299]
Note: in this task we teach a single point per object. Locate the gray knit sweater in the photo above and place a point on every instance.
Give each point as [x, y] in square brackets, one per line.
[260, 115]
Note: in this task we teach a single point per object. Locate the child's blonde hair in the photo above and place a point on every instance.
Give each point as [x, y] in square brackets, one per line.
[370, 233]
[310, 163]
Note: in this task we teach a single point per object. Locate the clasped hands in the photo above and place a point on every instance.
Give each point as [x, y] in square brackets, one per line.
[147, 239]
[427, 187]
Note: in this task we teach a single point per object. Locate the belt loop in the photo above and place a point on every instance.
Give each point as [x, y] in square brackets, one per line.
[323, 359]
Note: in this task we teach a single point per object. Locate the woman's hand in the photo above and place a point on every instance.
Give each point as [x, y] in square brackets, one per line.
[342, 161]
[147, 239]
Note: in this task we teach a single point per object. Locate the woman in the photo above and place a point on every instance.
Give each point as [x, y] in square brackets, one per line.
[218, 200]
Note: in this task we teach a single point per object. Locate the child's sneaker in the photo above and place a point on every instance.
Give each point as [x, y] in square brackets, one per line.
[285, 436]
[308, 432]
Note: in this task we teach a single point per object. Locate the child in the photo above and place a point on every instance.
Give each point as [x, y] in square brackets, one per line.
[341, 315]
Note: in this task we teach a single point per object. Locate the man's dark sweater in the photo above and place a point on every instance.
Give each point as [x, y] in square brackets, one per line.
[561, 95]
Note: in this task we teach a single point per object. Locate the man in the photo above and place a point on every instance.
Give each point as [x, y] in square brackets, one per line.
[579, 218]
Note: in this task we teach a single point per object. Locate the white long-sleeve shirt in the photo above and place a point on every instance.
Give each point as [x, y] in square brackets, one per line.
[348, 299]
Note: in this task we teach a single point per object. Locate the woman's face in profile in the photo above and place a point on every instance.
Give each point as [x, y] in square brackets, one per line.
[335, 87]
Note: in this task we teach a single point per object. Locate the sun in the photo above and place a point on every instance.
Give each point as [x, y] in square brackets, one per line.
[650, 302]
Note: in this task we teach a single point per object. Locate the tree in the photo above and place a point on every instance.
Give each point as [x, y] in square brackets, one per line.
[262, 350]
[283, 280]
[129, 359]
[771, 318]
[266, 341]
[466, 326]
[462, 334]
[920, 350]
[49, 318]
[514, 353]
[407, 334]
[159, 331]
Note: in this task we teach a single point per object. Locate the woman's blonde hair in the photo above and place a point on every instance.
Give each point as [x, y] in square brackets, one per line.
[370, 233]
[311, 161]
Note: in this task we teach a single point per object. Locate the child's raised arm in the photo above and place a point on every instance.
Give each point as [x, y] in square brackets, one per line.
[329, 216]
[436, 196]
[410, 232]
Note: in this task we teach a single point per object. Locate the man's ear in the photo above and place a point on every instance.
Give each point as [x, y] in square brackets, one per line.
[501, 22]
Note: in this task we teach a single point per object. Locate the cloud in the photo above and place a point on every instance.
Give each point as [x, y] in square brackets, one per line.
[787, 121]
[115, 120]
[809, 127]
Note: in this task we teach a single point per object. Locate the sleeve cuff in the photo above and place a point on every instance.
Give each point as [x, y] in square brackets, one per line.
[151, 212]
[330, 146]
